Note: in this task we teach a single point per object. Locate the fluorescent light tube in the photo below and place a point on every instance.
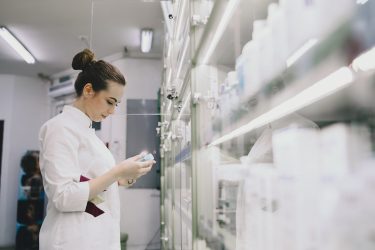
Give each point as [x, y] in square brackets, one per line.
[230, 8]
[300, 52]
[16, 45]
[365, 62]
[325, 87]
[362, 1]
[146, 40]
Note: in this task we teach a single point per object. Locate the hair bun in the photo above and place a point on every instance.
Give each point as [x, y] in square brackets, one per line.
[83, 59]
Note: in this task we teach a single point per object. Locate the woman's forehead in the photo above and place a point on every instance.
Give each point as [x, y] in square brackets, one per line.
[115, 90]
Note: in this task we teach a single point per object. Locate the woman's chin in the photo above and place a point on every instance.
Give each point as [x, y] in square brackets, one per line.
[99, 119]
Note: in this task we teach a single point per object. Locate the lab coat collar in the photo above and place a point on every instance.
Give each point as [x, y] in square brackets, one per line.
[78, 116]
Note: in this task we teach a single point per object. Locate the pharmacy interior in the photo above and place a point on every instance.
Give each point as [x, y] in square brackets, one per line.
[267, 125]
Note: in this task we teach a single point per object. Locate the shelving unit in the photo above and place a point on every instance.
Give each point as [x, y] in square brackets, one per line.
[242, 78]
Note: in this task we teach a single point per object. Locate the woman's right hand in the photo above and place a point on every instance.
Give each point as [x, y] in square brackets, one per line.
[133, 168]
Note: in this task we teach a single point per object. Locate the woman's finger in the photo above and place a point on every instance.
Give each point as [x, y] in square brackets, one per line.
[145, 170]
[146, 164]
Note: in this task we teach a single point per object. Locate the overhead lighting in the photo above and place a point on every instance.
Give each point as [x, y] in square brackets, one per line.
[301, 51]
[16, 45]
[146, 40]
[362, 1]
[365, 62]
[323, 88]
[231, 6]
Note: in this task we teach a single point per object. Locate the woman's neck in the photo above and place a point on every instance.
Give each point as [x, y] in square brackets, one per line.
[78, 103]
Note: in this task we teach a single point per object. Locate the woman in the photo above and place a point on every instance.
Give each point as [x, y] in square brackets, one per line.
[80, 176]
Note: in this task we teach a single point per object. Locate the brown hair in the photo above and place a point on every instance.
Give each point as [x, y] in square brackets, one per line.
[95, 72]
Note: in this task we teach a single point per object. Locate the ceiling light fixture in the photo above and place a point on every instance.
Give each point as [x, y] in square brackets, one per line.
[16, 45]
[146, 40]
[361, 2]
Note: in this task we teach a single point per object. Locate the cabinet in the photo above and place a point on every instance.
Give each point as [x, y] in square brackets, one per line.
[267, 125]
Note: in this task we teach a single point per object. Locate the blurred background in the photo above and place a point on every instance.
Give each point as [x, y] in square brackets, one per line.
[260, 114]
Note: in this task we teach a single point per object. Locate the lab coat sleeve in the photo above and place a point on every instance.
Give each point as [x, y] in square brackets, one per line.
[60, 169]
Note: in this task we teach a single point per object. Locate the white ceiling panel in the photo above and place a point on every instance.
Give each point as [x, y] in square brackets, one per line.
[51, 30]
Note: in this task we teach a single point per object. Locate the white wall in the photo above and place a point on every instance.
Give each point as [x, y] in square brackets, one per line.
[143, 78]
[140, 217]
[140, 208]
[23, 106]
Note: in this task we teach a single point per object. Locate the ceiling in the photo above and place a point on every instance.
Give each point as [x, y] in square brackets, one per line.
[52, 31]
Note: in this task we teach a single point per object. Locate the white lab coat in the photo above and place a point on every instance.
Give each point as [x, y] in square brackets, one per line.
[69, 148]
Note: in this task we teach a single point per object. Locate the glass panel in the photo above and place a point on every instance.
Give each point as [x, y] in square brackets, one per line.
[282, 117]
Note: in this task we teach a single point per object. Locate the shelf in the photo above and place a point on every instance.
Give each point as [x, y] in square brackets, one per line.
[341, 95]
[184, 155]
[316, 64]
[228, 19]
[183, 100]
[185, 215]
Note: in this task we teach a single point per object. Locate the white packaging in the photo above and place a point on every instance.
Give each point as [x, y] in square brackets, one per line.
[247, 214]
[343, 149]
[232, 78]
[233, 93]
[352, 224]
[292, 10]
[331, 14]
[296, 156]
[266, 185]
[240, 70]
[262, 34]
[277, 22]
[251, 69]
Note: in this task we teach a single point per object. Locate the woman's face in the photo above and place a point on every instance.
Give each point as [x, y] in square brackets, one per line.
[99, 105]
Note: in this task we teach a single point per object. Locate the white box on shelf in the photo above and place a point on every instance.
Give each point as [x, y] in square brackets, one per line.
[296, 156]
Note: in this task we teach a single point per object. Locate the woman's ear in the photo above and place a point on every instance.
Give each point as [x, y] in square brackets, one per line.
[88, 91]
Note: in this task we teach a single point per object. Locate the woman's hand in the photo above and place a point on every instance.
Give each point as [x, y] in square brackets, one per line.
[132, 168]
[128, 170]
[126, 182]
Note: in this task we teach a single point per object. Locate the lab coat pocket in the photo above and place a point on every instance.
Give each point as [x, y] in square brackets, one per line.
[71, 230]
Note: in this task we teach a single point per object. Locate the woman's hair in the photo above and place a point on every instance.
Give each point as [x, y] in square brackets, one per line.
[95, 72]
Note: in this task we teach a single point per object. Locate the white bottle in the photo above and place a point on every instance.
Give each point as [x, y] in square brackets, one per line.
[262, 34]
[277, 23]
[240, 70]
[251, 69]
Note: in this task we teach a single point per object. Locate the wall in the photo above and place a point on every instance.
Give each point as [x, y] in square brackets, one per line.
[143, 78]
[140, 217]
[140, 208]
[23, 106]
